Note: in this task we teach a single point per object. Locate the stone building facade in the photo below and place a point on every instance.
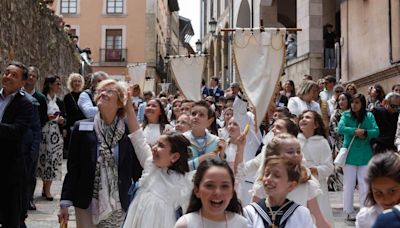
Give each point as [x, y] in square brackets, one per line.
[368, 43]
[31, 33]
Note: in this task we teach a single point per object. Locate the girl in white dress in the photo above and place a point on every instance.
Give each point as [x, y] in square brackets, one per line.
[281, 176]
[306, 191]
[383, 179]
[155, 121]
[165, 184]
[213, 202]
[318, 155]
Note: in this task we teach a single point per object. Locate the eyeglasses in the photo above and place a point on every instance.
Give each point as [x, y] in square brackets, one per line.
[107, 91]
[339, 91]
[58, 83]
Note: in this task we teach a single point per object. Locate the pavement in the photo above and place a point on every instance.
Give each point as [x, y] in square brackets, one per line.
[46, 214]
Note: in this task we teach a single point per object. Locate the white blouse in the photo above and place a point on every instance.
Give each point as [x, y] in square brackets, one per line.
[194, 220]
[296, 106]
[367, 216]
[52, 106]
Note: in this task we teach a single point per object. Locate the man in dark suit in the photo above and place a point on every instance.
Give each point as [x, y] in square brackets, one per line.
[204, 89]
[29, 87]
[15, 115]
[214, 90]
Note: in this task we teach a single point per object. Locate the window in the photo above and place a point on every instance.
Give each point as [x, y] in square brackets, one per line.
[115, 6]
[114, 50]
[68, 6]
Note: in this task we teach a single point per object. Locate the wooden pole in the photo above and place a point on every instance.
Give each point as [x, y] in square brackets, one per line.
[262, 29]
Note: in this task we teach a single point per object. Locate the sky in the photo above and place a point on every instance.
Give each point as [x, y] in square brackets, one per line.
[191, 9]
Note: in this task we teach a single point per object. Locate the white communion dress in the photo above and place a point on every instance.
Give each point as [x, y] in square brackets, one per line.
[160, 193]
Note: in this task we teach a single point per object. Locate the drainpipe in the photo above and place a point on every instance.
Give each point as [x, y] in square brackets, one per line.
[392, 62]
[231, 76]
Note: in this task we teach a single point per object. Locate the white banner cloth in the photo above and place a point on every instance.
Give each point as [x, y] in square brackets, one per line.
[137, 73]
[259, 58]
[187, 74]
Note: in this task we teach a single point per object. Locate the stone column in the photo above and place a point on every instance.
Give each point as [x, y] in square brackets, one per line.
[310, 39]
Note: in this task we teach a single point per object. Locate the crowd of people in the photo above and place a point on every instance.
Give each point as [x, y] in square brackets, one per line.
[140, 160]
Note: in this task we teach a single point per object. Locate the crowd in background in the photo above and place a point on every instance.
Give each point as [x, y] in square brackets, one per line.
[134, 155]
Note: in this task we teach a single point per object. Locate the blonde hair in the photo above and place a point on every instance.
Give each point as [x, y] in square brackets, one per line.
[305, 87]
[274, 148]
[73, 76]
[122, 93]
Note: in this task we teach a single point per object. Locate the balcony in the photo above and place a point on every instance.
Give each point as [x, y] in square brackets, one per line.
[113, 57]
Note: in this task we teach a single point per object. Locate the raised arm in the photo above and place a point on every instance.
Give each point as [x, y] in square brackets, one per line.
[142, 149]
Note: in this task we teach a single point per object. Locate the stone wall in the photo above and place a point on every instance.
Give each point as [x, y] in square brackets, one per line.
[32, 34]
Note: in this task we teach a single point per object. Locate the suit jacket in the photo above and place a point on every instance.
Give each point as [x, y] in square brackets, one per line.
[42, 108]
[82, 157]
[218, 93]
[15, 122]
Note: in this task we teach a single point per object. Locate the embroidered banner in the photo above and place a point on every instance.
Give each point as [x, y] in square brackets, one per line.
[187, 74]
[259, 59]
[137, 73]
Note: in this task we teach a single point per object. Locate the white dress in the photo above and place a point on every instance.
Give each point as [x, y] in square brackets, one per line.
[152, 132]
[253, 141]
[160, 192]
[194, 220]
[296, 106]
[301, 217]
[317, 153]
[367, 216]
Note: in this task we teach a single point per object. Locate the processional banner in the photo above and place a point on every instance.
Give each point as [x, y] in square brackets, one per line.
[259, 60]
[187, 71]
[137, 74]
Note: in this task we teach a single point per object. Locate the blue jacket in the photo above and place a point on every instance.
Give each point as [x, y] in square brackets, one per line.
[389, 218]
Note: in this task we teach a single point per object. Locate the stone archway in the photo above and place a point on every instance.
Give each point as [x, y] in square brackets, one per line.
[225, 57]
[218, 58]
[244, 15]
[211, 61]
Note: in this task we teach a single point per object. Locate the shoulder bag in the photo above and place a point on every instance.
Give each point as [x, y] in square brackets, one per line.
[340, 159]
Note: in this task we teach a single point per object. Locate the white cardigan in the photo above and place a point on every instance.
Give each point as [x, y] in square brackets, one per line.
[317, 153]
[296, 106]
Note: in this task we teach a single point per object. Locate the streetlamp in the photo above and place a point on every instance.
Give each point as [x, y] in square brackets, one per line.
[198, 46]
[213, 25]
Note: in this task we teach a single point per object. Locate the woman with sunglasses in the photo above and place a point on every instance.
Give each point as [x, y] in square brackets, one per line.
[51, 147]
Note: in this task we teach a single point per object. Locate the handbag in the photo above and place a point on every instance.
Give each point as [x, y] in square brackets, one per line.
[340, 159]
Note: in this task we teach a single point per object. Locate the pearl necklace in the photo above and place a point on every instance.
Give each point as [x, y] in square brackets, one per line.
[226, 219]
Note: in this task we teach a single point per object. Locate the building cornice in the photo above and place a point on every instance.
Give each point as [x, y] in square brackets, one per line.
[377, 77]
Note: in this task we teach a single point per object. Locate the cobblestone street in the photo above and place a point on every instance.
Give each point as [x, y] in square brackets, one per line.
[46, 214]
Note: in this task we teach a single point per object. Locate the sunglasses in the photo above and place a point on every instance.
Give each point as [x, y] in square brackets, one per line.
[395, 106]
[339, 91]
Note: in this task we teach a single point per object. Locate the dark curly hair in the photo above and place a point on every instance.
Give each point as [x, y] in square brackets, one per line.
[48, 81]
[195, 203]
[179, 144]
[363, 111]
[318, 120]
[163, 119]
